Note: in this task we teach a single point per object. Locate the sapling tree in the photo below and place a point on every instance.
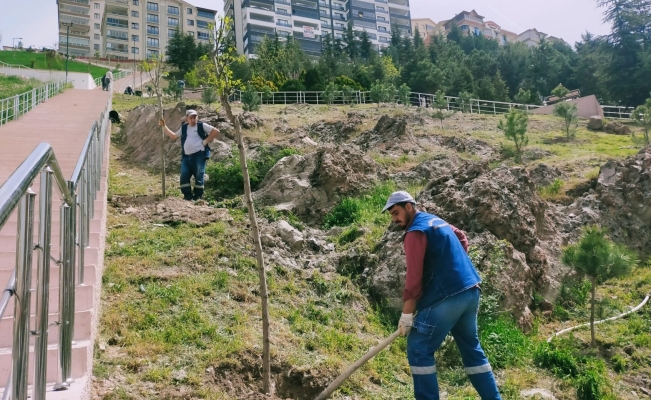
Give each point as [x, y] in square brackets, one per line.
[569, 113]
[154, 67]
[251, 99]
[514, 127]
[598, 259]
[465, 102]
[560, 91]
[378, 93]
[522, 98]
[209, 95]
[442, 107]
[642, 115]
[328, 95]
[223, 55]
[403, 94]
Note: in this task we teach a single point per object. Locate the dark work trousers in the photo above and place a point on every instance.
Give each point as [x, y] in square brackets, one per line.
[193, 165]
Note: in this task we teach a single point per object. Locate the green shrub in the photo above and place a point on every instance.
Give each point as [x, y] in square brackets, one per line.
[553, 189]
[591, 384]
[344, 213]
[619, 363]
[505, 342]
[226, 176]
[560, 361]
[251, 99]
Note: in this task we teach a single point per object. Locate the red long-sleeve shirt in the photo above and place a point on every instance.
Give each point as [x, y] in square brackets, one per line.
[415, 244]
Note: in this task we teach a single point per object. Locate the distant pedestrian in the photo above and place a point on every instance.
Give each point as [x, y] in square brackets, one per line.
[103, 79]
[109, 78]
[195, 137]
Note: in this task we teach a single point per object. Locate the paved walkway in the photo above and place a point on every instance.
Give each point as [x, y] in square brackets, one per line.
[64, 122]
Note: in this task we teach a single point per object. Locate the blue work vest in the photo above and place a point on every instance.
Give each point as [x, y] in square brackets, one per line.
[202, 135]
[447, 269]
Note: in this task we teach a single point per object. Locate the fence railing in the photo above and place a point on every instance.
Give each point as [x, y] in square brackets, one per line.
[78, 195]
[14, 107]
[475, 106]
[615, 112]
[364, 97]
[17, 66]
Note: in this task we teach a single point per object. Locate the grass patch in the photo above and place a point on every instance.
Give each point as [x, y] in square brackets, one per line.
[553, 191]
[13, 85]
[37, 61]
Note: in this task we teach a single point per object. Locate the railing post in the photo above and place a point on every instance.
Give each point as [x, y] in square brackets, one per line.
[43, 285]
[479, 107]
[81, 237]
[16, 108]
[22, 307]
[494, 110]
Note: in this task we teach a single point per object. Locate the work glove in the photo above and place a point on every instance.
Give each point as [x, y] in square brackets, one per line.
[406, 321]
[205, 143]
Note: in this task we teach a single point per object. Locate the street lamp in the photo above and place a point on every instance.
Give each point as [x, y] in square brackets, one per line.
[67, 25]
[14, 43]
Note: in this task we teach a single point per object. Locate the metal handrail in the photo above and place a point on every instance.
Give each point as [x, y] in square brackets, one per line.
[11, 108]
[78, 195]
[7, 65]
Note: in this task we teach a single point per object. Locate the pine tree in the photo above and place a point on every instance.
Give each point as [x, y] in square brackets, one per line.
[352, 47]
[365, 46]
[514, 127]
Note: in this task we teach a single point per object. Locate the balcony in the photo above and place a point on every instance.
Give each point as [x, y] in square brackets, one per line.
[323, 4]
[283, 12]
[325, 25]
[324, 13]
[285, 2]
[377, 10]
[117, 37]
[284, 24]
[339, 7]
[339, 27]
[121, 2]
[118, 13]
[363, 5]
[305, 14]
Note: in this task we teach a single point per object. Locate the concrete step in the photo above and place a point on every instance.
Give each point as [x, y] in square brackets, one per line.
[83, 301]
[80, 351]
[82, 329]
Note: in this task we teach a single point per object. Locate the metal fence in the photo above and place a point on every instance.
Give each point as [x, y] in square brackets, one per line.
[363, 97]
[615, 112]
[475, 106]
[78, 196]
[16, 66]
[14, 107]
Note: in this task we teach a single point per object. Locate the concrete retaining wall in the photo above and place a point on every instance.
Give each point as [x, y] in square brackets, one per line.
[80, 80]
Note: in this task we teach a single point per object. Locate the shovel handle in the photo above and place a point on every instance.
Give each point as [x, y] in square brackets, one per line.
[370, 354]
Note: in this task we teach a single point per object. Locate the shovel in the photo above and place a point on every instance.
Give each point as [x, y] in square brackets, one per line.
[371, 353]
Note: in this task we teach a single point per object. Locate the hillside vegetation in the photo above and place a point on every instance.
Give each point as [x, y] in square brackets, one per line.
[37, 61]
[181, 311]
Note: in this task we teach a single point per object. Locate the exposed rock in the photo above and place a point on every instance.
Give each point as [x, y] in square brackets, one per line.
[437, 168]
[473, 146]
[617, 128]
[596, 123]
[290, 235]
[389, 132]
[335, 132]
[544, 175]
[534, 153]
[309, 185]
[250, 121]
[538, 393]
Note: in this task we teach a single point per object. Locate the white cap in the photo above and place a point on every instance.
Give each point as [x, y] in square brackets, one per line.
[398, 197]
[190, 112]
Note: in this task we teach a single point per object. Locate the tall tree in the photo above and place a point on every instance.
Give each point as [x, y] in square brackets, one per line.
[365, 46]
[181, 52]
[352, 45]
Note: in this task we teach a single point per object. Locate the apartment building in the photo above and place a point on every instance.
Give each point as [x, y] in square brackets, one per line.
[531, 37]
[129, 29]
[309, 21]
[427, 28]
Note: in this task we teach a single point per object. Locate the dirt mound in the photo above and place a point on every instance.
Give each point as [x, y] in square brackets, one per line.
[309, 185]
[170, 211]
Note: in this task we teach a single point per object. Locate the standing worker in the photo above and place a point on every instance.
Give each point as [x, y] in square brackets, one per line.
[109, 78]
[195, 137]
[442, 289]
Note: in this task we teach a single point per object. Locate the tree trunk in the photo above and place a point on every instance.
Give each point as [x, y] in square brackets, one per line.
[266, 362]
[593, 290]
[162, 146]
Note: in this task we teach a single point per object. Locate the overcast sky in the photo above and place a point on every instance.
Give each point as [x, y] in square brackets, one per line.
[36, 20]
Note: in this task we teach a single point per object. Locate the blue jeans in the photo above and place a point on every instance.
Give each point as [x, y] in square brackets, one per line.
[458, 316]
[193, 165]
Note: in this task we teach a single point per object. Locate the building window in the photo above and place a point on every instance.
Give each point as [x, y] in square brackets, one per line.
[152, 53]
[136, 2]
[135, 38]
[96, 36]
[152, 18]
[152, 30]
[206, 14]
[477, 31]
[360, 14]
[171, 32]
[135, 14]
[97, 26]
[203, 35]
[464, 27]
[135, 25]
[152, 6]
[190, 22]
[202, 24]
[96, 5]
[172, 21]
[152, 42]
[381, 29]
[96, 46]
[189, 11]
[96, 15]
[173, 10]
[135, 50]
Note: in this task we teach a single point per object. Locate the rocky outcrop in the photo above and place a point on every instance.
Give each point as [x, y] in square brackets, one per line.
[335, 132]
[310, 185]
[617, 128]
[596, 123]
[388, 133]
